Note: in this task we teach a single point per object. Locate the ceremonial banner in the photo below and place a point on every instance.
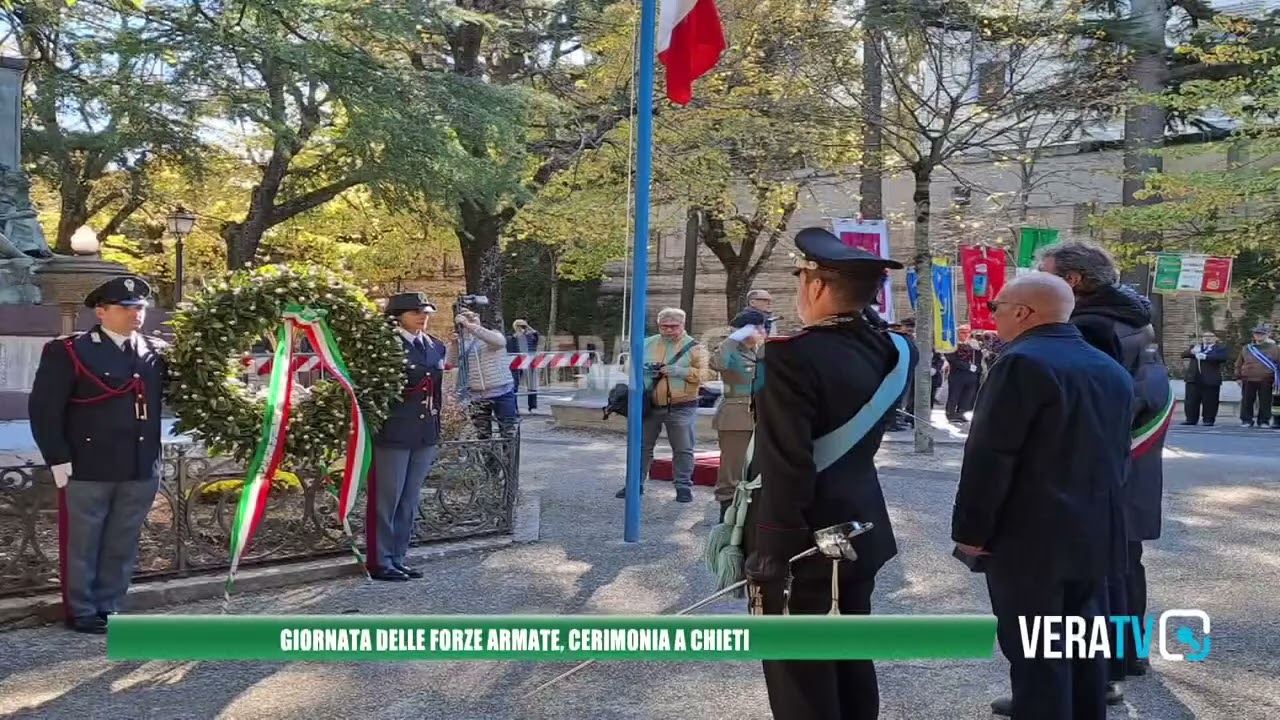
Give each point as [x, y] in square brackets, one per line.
[549, 638]
[872, 236]
[913, 287]
[1029, 243]
[944, 311]
[1192, 273]
[983, 271]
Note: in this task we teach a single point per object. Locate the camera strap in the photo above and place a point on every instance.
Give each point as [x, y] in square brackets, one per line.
[674, 359]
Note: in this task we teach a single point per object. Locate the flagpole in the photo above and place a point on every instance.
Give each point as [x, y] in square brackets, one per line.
[640, 265]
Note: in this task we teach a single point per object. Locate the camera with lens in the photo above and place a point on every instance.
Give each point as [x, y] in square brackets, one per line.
[653, 368]
[468, 301]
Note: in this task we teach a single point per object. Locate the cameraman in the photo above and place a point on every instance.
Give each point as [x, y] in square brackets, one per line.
[483, 353]
[675, 366]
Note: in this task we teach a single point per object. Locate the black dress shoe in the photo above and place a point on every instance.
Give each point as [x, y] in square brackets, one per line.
[411, 572]
[1190, 422]
[389, 575]
[91, 625]
[105, 615]
[684, 495]
[1002, 706]
[623, 492]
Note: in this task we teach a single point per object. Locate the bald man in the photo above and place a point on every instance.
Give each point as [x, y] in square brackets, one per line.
[1039, 505]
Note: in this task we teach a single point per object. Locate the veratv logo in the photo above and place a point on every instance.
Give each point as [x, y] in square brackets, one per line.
[1071, 636]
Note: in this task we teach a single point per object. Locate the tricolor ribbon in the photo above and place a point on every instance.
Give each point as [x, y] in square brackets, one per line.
[275, 430]
[1145, 437]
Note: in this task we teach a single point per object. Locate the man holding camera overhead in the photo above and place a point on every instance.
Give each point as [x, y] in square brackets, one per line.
[675, 366]
[480, 354]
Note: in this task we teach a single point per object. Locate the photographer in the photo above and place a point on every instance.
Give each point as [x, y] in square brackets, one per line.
[480, 353]
[675, 366]
[522, 341]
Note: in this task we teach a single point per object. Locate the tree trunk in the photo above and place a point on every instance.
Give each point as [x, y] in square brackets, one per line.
[554, 302]
[871, 186]
[689, 278]
[480, 238]
[1144, 134]
[922, 259]
[73, 214]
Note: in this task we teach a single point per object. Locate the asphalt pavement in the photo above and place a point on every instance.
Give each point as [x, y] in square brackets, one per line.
[1220, 553]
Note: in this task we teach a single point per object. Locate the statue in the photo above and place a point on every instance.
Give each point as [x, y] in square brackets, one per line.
[20, 233]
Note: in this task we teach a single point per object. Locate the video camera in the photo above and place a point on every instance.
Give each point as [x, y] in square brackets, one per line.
[468, 302]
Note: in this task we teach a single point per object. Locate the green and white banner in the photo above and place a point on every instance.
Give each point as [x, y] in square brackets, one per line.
[550, 638]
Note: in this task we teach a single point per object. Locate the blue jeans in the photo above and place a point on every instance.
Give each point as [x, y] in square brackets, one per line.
[501, 409]
[679, 423]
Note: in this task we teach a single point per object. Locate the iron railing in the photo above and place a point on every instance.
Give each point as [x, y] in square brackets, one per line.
[470, 492]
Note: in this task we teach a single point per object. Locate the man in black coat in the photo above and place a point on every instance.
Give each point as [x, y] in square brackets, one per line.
[1039, 504]
[95, 415]
[1204, 379]
[1144, 489]
[813, 383]
[1117, 320]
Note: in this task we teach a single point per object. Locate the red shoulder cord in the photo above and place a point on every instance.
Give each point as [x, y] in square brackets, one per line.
[135, 385]
[427, 384]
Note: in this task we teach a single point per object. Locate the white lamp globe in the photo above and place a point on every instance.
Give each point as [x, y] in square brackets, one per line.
[84, 241]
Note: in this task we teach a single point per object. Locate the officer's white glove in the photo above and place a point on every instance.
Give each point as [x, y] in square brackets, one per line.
[61, 474]
[744, 332]
[1200, 356]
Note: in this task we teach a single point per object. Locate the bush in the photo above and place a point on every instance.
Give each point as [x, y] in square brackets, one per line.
[213, 492]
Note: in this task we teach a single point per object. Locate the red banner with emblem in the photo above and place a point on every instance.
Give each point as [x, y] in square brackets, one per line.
[983, 271]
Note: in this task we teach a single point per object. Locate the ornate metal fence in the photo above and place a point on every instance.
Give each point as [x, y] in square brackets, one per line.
[471, 491]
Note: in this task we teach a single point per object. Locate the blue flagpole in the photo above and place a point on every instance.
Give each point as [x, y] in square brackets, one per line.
[640, 264]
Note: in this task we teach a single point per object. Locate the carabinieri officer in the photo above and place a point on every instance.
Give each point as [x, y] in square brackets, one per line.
[406, 447]
[95, 415]
[812, 383]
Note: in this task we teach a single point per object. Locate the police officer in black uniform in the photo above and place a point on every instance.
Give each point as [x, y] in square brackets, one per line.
[95, 415]
[406, 446]
[814, 382]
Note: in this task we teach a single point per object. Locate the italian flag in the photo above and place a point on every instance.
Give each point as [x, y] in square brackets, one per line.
[690, 41]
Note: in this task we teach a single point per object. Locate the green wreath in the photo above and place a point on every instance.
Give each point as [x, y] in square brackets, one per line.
[215, 329]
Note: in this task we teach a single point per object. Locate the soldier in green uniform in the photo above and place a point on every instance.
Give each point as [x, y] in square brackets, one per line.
[95, 415]
[814, 382]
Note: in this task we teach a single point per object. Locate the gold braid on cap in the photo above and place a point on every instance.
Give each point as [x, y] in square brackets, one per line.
[803, 263]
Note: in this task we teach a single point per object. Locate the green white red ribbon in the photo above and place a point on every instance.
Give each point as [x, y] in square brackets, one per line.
[1146, 436]
[275, 430]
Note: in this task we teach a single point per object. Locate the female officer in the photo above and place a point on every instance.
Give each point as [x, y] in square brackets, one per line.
[406, 447]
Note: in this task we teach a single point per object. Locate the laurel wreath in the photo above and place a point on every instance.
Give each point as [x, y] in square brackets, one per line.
[215, 405]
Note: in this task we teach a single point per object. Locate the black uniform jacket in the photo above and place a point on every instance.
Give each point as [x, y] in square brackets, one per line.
[414, 420]
[812, 384]
[84, 406]
[1040, 488]
[1112, 319]
[1208, 371]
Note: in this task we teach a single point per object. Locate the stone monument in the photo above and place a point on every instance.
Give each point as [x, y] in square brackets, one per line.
[22, 242]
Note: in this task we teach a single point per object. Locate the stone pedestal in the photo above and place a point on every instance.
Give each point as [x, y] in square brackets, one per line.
[67, 280]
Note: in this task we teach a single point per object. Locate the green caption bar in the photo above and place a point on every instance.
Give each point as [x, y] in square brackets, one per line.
[345, 638]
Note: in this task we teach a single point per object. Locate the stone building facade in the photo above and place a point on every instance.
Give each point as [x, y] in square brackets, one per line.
[976, 203]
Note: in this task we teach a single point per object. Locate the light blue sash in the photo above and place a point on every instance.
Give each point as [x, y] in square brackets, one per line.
[1267, 362]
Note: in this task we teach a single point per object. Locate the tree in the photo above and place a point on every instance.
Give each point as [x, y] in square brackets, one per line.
[318, 112]
[1232, 210]
[958, 77]
[103, 107]
[757, 137]
[560, 66]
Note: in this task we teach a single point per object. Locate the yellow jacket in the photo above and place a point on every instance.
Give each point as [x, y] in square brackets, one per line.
[684, 377]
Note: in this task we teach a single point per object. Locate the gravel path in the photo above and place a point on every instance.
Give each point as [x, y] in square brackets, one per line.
[1219, 553]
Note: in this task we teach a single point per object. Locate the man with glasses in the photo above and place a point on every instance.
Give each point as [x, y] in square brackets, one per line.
[1039, 505]
[675, 366]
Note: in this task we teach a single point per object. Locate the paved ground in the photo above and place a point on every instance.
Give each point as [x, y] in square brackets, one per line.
[1219, 553]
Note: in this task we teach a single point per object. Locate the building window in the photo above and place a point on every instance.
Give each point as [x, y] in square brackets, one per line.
[992, 83]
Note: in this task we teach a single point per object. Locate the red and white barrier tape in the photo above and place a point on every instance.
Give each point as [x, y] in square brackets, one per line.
[261, 364]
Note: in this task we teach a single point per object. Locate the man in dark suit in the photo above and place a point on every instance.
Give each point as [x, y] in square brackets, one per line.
[1204, 379]
[95, 415]
[1040, 497]
[813, 383]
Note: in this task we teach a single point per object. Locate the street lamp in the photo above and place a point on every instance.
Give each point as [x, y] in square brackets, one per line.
[180, 222]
